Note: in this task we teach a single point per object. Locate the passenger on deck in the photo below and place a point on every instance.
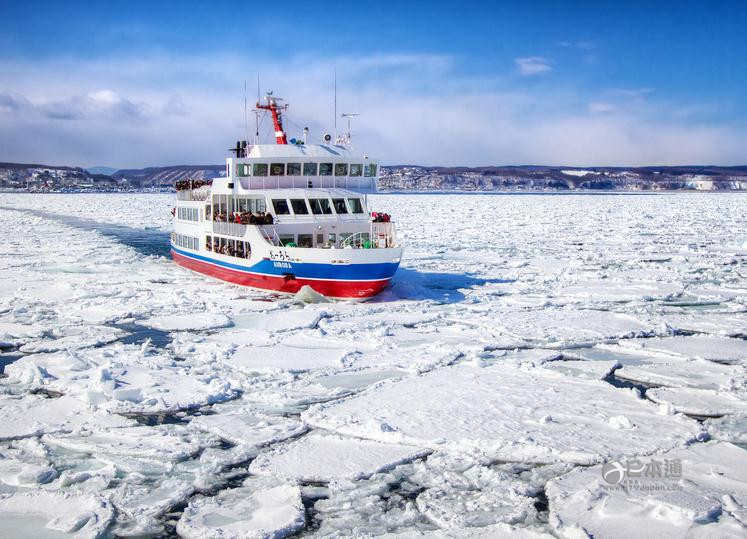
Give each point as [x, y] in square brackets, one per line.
[269, 219]
[208, 246]
[252, 219]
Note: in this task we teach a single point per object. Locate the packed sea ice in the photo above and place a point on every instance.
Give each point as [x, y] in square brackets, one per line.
[526, 344]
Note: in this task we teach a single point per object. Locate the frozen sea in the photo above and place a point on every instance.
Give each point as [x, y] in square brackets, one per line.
[525, 341]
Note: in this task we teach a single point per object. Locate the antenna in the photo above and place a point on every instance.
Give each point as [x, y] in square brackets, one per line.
[335, 103]
[246, 117]
[348, 115]
[256, 117]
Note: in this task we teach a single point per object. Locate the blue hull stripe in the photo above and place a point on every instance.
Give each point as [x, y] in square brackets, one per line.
[307, 270]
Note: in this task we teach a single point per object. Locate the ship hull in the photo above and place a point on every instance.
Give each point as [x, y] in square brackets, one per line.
[367, 281]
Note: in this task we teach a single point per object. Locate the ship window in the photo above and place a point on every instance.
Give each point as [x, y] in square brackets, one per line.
[281, 206]
[319, 240]
[305, 240]
[286, 239]
[259, 169]
[299, 206]
[341, 169]
[294, 169]
[277, 169]
[325, 169]
[331, 239]
[355, 205]
[369, 170]
[243, 170]
[320, 206]
[356, 169]
[339, 205]
[309, 169]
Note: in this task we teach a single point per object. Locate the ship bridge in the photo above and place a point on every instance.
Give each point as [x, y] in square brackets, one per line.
[289, 166]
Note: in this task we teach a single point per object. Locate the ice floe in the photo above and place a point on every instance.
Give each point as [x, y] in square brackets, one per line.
[709, 500]
[718, 349]
[258, 509]
[54, 514]
[335, 457]
[242, 426]
[697, 373]
[700, 402]
[489, 411]
[34, 416]
[495, 340]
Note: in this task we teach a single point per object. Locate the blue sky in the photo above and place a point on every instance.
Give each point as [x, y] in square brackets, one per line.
[566, 83]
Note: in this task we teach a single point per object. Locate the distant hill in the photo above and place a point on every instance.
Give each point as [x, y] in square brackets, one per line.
[167, 176]
[36, 177]
[102, 170]
[537, 177]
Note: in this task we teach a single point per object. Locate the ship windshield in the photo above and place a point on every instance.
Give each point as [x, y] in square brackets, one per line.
[281, 206]
[341, 169]
[355, 205]
[299, 206]
[309, 169]
[325, 169]
[320, 206]
[340, 205]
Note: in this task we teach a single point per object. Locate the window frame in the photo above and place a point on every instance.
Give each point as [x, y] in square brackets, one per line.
[307, 165]
[352, 206]
[343, 167]
[331, 169]
[321, 206]
[341, 201]
[302, 201]
[283, 201]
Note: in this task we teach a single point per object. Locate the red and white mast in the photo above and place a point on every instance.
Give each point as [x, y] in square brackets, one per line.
[277, 119]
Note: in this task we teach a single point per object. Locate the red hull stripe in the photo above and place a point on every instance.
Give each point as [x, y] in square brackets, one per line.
[330, 288]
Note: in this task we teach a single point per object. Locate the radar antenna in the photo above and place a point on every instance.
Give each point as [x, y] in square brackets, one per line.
[276, 110]
[346, 139]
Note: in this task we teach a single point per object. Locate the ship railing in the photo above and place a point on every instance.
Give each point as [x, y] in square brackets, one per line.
[229, 229]
[270, 234]
[383, 235]
[198, 194]
[379, 236]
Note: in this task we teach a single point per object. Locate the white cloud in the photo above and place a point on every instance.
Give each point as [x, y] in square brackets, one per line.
[533, 65]
[601, 107]
[414, 109]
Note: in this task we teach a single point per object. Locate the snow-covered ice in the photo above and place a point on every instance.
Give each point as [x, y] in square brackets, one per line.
[710, 500]
[335, 457]
[499, 417]
[512, 350]
[256, 510]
